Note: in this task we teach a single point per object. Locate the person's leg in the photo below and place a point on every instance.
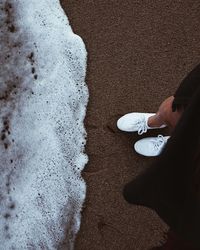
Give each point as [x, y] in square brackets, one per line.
[165, 115]
[153, 146]
[172, 108]
[168, 185]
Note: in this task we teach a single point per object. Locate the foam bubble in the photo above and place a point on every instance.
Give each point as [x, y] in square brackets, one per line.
[43, 98]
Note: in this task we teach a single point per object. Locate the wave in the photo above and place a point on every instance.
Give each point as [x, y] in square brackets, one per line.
[43, 100]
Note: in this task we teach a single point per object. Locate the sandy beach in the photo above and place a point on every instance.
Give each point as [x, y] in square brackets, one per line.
[138, 52]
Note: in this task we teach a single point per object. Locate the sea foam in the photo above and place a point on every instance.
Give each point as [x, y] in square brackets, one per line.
[43, 98]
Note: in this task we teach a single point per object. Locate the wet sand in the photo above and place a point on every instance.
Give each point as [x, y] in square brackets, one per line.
[138, 52]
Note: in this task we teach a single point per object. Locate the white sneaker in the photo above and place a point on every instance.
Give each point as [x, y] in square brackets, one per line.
[133, 122]
[151, 146]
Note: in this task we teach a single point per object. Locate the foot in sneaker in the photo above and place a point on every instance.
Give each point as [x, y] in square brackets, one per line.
[151, 146]
[133, 122]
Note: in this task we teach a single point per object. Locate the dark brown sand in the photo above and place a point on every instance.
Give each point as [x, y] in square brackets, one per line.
[138, 51]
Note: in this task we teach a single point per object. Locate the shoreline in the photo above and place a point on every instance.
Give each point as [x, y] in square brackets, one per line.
[137, 55]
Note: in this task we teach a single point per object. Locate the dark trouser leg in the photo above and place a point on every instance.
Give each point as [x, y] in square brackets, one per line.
[171, 185]
[187, 89]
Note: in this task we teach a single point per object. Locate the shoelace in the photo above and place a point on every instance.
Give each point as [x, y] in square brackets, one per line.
[142, 126]
[158, 142]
